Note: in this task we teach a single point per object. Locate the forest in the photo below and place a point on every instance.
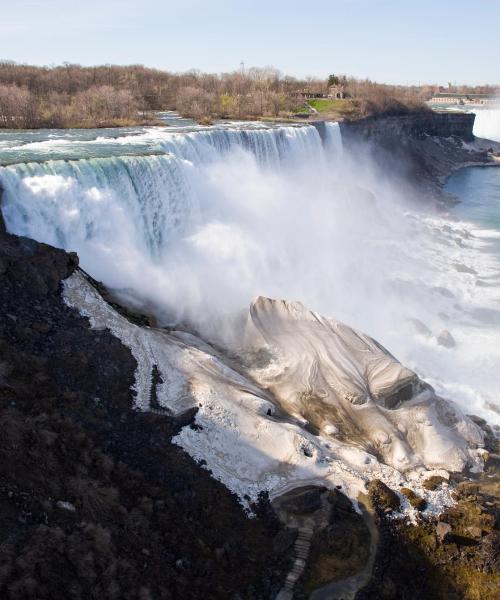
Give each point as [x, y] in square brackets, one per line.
[72, 95]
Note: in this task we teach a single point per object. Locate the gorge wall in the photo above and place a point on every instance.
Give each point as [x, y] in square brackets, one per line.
[414, 125]
[421, 148]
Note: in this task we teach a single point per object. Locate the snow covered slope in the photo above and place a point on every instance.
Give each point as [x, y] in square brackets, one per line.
[304, 399]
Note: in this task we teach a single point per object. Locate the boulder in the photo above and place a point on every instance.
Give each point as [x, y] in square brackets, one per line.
[382, 496]
[415, 501]
[446, 339]
[443, 531]
[433, 482]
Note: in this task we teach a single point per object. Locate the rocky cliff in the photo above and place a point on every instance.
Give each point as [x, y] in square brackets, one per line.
[95, 501]
[421, 149]
[414, 125]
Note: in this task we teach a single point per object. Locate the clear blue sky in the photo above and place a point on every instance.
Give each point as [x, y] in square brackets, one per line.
[396, 41]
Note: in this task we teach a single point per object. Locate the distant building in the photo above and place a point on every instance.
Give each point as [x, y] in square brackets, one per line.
[461, 99]
[334, 91]
[307, 94]
[337, 91]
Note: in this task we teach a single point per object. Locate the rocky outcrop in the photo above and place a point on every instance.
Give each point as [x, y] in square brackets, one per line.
[454, 556]
[95, 502]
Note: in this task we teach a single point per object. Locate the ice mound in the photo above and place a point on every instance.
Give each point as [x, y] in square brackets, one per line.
[306, 400]
[341, 380]
[325, 354]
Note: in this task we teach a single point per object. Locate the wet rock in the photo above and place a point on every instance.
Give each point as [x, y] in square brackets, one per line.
[382, 496]
[446, 339]
[41, 327]
[420, 327]
[415, 501]
[461, 268]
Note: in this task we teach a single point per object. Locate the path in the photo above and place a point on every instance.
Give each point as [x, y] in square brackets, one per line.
[302, 546]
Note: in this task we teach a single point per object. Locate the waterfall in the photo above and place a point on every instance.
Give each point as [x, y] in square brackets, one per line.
[194, 225]
[69, 203]
[120, 212]
[487, 124]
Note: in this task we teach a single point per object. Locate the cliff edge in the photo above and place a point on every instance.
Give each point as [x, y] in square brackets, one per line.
[420, 148]
[95, 500]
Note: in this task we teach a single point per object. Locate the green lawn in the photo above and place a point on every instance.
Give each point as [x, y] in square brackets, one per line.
[328, 104]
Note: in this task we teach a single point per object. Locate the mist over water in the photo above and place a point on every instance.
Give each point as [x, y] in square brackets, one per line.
[197, 224]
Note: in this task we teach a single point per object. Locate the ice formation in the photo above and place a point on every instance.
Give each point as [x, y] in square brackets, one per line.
[304, 400]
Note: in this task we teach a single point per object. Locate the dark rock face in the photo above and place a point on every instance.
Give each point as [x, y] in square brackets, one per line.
[417, 125]
[421, 149]
[95, 501]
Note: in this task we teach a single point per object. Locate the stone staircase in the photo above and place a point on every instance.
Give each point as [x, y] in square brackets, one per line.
[301, 547]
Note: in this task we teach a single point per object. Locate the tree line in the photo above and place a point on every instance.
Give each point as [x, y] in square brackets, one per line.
[71, 95]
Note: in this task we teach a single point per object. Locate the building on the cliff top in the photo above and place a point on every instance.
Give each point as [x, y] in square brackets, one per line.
[461, 99]
[337, 91]
[334, 91]
[307, 94]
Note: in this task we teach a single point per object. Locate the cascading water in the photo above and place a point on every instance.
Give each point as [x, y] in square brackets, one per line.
[138, 205]
[487, 123]
[198, 223]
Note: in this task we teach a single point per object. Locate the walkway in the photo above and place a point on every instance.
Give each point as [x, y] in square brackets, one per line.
[301, 547]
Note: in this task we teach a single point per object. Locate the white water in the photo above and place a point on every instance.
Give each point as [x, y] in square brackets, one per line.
[487, 123]
[231, 213]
